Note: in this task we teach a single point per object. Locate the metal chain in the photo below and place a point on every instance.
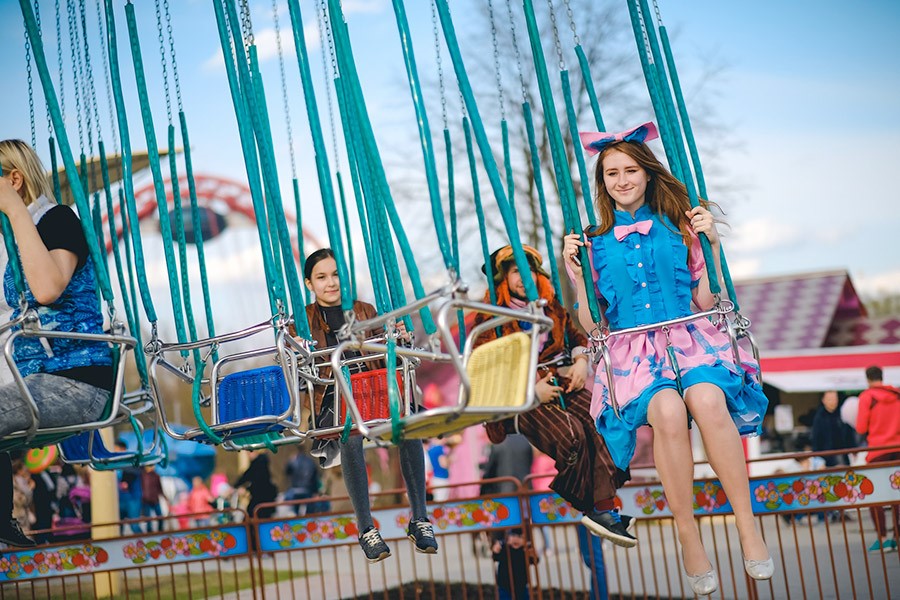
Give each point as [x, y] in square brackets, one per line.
[172, 53]
[90, 78]
[101, 27]
[559, 52]
[59, 60]
[76, 60]
[325, 30]
[30, 89]
[440, 66]
[163, 62]
[246, 23]
[515, 41]
[659, 21]
[37, 16]
[497, 74]
[571, 17]
[643, 23]
[284, 94]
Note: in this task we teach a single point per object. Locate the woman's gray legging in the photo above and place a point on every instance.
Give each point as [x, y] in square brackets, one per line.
[412, 465]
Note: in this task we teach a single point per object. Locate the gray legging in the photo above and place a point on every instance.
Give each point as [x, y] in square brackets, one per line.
[412, 464]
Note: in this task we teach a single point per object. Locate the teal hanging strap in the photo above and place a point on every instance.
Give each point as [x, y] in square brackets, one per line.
[542, 199]
[487, 158]
[248, 147]
[479, 212]
[454, 237]
[348, 420]
[128, 300]
[561, 167]
[181, 236]
[393, 391]
[589, 86]
[344, 54]
[321, 157]
[54, 169]
[301, 246]
[586, 197]
[153, 156]
[507, 166]
[196, 221]
[127, 189]
[662, 105]
[415, 90]
[78, 192]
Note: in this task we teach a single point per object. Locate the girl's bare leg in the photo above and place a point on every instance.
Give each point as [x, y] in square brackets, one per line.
[672, 453]
[726, 456]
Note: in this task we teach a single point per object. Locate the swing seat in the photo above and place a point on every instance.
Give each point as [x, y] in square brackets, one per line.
[370, 391]
[80, 450]
[260, 395]
[498, 374]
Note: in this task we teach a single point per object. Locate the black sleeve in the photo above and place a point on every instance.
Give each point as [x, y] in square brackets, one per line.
[60, 228]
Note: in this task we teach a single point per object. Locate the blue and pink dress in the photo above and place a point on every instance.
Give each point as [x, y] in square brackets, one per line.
[643, 274]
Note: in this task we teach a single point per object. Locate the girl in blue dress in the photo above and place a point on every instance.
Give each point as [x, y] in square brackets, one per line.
[648, 267]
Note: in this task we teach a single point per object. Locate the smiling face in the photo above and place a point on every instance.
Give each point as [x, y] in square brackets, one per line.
[324, 283]
[625, 180]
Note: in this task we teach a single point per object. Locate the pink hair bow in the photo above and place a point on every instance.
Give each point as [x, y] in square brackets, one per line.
[595, 141]
[622, 231]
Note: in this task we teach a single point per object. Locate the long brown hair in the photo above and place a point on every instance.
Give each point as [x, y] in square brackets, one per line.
[665, 195]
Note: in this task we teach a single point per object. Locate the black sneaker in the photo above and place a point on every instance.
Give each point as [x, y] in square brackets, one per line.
[373, 545]
[421, 533]
[13, 535]
[608, 524]
[629, 522]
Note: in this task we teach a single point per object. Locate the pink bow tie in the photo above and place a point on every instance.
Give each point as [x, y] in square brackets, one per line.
[641, 227]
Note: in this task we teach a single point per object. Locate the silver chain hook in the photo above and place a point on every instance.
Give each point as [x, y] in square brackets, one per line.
[556, 42]
[90, 78]
[163, 62]
[644, 30]
[175, 77]
[76, 60]
[325, 33]
[571, 18]
[515, 42]
[496, 47]
[439, 61]
[284, 93]
[246, 23]
[101, 27]
[59, 61]
[659, 21]
[30, 89]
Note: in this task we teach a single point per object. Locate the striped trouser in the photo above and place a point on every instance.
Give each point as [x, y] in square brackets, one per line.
[586, 473]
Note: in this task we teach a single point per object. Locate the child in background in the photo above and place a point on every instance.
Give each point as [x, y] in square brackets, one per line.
[513, 554]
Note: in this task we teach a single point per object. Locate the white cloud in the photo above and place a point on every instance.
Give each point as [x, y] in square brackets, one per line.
[876, 284]
[267, 46]
[762, 233]
[744, 268]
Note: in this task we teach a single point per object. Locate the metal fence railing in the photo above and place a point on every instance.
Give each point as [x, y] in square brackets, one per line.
[817, 525]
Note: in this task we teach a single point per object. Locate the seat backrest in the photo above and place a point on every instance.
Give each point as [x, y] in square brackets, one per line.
[253, 393]
[498, 372]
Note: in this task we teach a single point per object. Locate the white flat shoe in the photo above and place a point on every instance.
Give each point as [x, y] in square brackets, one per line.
[760, 569]
[704, 584]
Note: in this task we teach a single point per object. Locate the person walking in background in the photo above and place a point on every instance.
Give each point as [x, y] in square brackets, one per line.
[129, 492]
[151, 496]
[513, 554]
[879, 420]
[257, 479]
[829, 432]
[303, 475]
[199, 502]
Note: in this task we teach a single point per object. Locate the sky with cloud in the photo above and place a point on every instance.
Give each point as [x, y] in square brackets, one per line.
[810, 93]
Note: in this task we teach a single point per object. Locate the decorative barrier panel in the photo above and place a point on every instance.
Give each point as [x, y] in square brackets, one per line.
[453, 517]
[113, 554]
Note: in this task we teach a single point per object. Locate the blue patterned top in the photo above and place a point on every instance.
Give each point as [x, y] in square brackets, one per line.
[645, 278]
[77, 310]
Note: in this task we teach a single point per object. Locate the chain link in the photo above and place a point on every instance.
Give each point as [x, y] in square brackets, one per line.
[556, 42]
[643, 23]
[59, 61]
[162, 60]
[30, 89]
[325, 32]
[659, 21]
[101, 27]
[76, 62]
[246, 23]
[172, 53]
[497, 74]
[515, 42]
[571, 18]
[284, 94]
[90, 78]
[439, 60]
[37, 16]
